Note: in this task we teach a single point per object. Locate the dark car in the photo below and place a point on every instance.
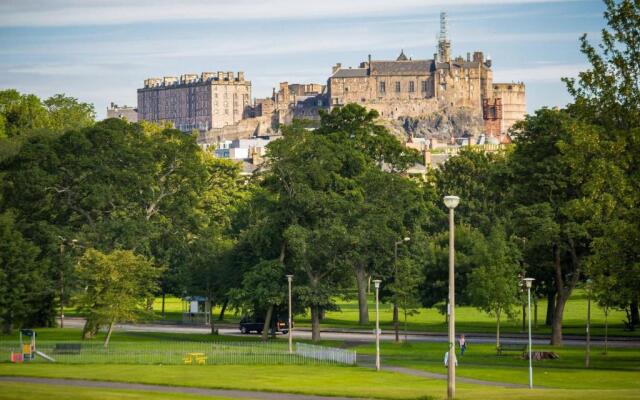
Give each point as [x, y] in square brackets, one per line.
[250, 324]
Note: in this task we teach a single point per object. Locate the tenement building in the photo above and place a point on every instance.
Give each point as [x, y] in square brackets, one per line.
[211, 100]
[415, 88]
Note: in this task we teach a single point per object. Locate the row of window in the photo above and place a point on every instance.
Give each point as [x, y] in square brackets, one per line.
[398, 86]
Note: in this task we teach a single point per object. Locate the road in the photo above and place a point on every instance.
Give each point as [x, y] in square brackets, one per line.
[360, 336]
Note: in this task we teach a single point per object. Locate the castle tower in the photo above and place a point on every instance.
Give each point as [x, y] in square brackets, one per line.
[444, 44]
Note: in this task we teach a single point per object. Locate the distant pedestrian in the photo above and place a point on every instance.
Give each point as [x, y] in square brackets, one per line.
[463, 345]
[446, 359]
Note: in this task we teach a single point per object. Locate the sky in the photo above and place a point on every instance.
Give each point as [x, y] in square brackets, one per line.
[101, 52]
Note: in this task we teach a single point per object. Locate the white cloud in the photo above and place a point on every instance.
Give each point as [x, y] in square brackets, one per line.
[98, 12]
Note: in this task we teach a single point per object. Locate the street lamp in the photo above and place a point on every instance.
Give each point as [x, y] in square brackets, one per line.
[290, 327]
[376, 283]
[528, 282]
[587, 355]
[395, 278]
[451, 202]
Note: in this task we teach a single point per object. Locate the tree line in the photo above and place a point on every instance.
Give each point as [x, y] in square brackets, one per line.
[110, 215]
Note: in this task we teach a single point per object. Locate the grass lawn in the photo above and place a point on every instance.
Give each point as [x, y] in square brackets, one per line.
[38, 391]
[619, 369]
[468, 319]
[319, 380]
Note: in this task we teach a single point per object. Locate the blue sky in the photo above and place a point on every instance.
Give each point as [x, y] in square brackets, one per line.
[102, 51]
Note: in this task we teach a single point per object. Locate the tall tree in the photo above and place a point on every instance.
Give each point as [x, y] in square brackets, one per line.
[117, 285]
[545, 196]
[607, 96]
[23, 279]
[494, 286]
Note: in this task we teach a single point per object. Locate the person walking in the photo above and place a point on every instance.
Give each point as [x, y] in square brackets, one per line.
[463, 345]
[446, 359]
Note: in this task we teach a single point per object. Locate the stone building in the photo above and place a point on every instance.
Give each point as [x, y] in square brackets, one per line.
[211, 100]
[123, 112]
[417, 88]
[296, 100]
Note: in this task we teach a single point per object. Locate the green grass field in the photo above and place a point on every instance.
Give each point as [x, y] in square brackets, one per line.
[619, 369]
[468, 319]
[38, 391]
[611, 377]
[318, 380]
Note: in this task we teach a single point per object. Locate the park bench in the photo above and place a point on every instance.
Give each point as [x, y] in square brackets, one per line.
[515, 347]
[67, 348]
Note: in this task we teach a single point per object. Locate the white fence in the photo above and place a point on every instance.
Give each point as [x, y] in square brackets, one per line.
[328, 354]
[173, 352]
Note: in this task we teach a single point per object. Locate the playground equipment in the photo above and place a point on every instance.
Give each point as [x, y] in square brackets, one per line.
[28, 349]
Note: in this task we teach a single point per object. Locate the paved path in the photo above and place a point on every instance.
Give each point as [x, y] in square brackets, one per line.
[369, 362]
[237, 394]
[351, 335]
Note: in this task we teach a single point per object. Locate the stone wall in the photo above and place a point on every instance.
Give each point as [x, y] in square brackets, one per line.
[514, 106]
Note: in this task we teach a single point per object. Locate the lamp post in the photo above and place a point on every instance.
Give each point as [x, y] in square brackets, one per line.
[376, 283]
[290, 326]
[528, 282]
[451, 202]
[587, 355]
[395, 278]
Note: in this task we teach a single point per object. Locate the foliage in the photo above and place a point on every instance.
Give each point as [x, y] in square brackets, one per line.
[21, 114]
[116, 284]
[607, 96]
[22, 278]
[495, 285]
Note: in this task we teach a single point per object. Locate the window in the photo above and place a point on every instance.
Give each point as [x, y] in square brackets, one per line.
[397, 87]
[424, 86]
[383, 87]
[412, 86]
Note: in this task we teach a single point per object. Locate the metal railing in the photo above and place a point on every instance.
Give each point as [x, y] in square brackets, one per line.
[329, 354]
[164, 352]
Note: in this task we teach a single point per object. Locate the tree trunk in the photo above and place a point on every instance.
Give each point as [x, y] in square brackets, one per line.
[535, 314]
[150, 301]
[551, 305]
[90, 329]
[211, 318]
[497, 329]
[223, 309]
[563, 291]
[606, 330]
[106, 341]
[556, 326]
[163, 296]
[396, 327]
[267, 323]
[315, 323]
[405, 326]
[524, 318]
[635, 315]
[363, 305]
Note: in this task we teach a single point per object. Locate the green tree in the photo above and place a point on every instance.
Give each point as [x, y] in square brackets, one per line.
[406, 289]
[545, 195]
[23, 281]
[264, 288]
[68, 113]
[117, 285]
[607, 96]
[495, 285]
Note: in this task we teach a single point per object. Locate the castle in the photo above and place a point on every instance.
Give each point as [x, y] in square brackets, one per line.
[416, 88]
[219, 106]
